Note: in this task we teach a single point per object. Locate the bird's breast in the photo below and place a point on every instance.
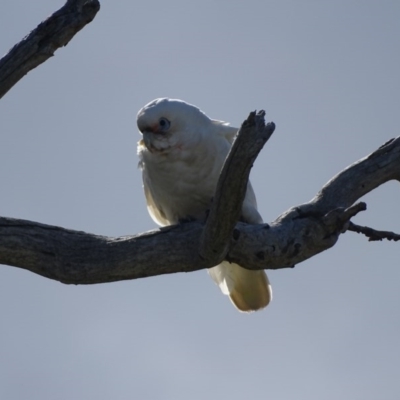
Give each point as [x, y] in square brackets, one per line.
[183, 186]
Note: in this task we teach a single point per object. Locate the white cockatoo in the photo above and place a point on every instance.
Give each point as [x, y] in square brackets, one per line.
[181, 156]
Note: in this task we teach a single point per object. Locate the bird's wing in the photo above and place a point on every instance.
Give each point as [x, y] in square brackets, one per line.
[250, 212]
[155, 212]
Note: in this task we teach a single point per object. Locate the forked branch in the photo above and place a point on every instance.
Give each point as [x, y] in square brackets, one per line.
[298, 234]
[82, 258]
[251, 138]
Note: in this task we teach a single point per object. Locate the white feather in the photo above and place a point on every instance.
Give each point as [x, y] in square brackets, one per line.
[181, 156]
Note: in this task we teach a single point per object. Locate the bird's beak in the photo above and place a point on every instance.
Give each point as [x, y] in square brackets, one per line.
[148, 139]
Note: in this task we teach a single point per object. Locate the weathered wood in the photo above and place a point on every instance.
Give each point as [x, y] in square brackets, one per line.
[298, 234]
[231, 188]
[37, 47]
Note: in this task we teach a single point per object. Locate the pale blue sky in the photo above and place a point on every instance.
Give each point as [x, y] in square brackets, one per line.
[327, 73]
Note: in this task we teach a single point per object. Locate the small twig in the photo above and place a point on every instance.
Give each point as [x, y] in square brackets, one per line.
[339, 218]
[372, 234]
[37, 47]
[231, 189]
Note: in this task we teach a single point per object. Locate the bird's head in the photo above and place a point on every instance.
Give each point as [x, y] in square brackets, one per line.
[170, 124]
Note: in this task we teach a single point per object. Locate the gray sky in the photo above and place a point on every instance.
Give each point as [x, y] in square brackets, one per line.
[327, 73]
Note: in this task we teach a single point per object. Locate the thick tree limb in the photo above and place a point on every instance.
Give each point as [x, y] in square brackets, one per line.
[81, 258]
[215, 239]
[361, 177]
[300, 233]
[53, 33]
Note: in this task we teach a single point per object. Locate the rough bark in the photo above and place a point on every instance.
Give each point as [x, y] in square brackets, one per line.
[298, 234]
[82, 258]
[215, 238]
[53, 33]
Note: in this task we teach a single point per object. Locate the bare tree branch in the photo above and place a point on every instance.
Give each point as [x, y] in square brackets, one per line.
[53, 33]
[372, 234]
[215, 239]
[47, 250]
[360, 178]
[298, 234]
[82, 258]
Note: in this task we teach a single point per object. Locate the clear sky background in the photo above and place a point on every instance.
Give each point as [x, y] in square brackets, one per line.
[328, 74]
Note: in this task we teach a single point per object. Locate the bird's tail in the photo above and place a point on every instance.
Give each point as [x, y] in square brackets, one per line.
[248, 290]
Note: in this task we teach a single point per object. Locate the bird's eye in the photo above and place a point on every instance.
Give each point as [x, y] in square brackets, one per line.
[164, 124]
